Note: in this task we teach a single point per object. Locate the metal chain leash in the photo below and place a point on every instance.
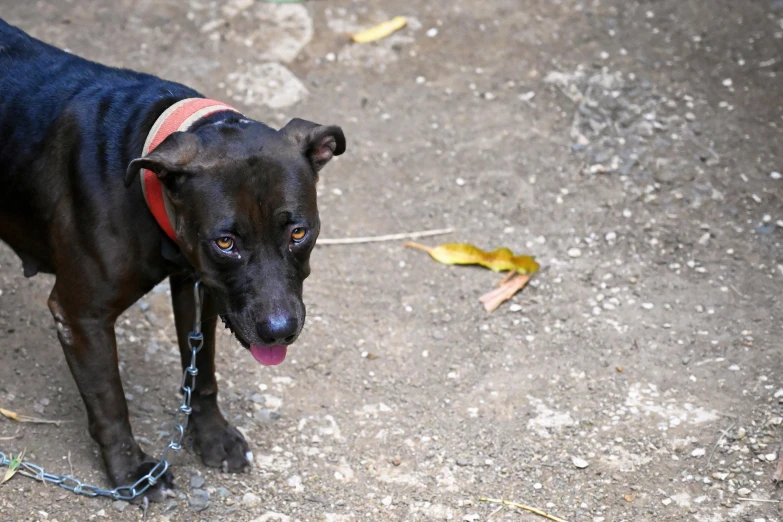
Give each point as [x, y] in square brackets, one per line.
[195, 342]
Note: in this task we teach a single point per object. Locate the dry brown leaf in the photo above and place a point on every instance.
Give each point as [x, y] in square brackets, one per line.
[494, 298]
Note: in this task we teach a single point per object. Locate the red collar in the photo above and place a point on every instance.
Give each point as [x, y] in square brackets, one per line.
[179, 117]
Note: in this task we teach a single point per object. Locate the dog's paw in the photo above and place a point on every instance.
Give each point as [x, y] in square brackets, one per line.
[160, 491]
[221, 446]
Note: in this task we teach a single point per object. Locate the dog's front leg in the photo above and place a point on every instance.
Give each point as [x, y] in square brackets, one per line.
[86, 334]
[219, 443]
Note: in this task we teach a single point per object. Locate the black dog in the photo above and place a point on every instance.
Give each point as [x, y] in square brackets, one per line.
[237, 197]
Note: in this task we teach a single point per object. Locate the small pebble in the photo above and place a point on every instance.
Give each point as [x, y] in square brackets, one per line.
[698, 452]
[580, 463]
[250, 499]
[196, 481]
[432, 33]
[514, 307]
[119, 505]
[574, 252]
[199, 500]
[648, 306]
[775, 175]
[743, 492]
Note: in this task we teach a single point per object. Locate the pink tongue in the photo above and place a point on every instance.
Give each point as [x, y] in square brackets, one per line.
[269, 355]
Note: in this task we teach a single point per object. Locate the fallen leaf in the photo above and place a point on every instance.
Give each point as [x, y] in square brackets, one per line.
[380, 31]
[20, 417]
[494, 298]
[499, 260]
[13, 467]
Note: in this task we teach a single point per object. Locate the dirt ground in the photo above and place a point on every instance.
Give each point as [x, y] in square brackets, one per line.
[633, 147]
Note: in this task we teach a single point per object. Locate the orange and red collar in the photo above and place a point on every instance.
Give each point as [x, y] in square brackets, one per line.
[177, 118]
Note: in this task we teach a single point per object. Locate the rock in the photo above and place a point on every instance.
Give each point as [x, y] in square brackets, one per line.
[199, 500]
[743, 492]
[196, 481]
[580, 463]
[223, 492]
[250, 499]
[284, 29]
[269, 84]
[775, 175]
[698, 452]
[119, 505]
[574, 252]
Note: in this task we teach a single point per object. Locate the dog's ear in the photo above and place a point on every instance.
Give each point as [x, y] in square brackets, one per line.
[170, 156]
[319, 143]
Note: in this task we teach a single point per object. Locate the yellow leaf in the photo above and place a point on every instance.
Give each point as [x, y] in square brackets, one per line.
[499, 260]
[381, 30]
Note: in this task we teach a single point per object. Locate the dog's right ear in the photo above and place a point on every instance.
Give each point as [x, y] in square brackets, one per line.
[170, 157]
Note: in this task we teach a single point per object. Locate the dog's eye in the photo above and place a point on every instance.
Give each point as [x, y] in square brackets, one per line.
[225, 243]
[298, 234]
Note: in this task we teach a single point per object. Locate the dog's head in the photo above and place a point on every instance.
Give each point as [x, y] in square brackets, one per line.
[244, 197]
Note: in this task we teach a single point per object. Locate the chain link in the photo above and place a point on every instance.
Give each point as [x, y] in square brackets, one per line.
[181, 414]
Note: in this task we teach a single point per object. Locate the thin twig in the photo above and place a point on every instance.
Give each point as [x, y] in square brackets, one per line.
[389, 237]
[724, 433]
[498, 510]
[522, 507]
[69, 462]
[759, 500]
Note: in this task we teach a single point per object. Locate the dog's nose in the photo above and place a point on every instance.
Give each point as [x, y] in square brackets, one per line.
[277, 329]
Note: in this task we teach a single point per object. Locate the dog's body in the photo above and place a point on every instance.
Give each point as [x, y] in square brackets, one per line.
[71, 135]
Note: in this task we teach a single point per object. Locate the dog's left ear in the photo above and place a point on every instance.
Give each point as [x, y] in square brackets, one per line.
[170, 157]
[319, 143]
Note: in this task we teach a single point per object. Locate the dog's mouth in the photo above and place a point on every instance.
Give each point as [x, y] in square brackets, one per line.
[266, 355]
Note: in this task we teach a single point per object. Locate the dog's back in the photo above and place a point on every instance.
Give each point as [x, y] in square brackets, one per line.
[69, 128]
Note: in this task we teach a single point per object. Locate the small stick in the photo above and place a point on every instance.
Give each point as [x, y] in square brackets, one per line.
[498, 510]
[724, 433]
[758, 500]
[69, 462]
[523, 507]
[389, 237]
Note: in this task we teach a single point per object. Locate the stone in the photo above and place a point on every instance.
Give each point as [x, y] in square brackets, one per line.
[269, 84]
[580, 463]
[196, 481]
[250, 499]
[199, 500]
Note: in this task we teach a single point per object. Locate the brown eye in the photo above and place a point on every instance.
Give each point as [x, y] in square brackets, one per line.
[298, 234]
[225, 243]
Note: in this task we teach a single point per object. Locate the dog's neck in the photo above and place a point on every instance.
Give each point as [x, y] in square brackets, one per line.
[178, 118]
